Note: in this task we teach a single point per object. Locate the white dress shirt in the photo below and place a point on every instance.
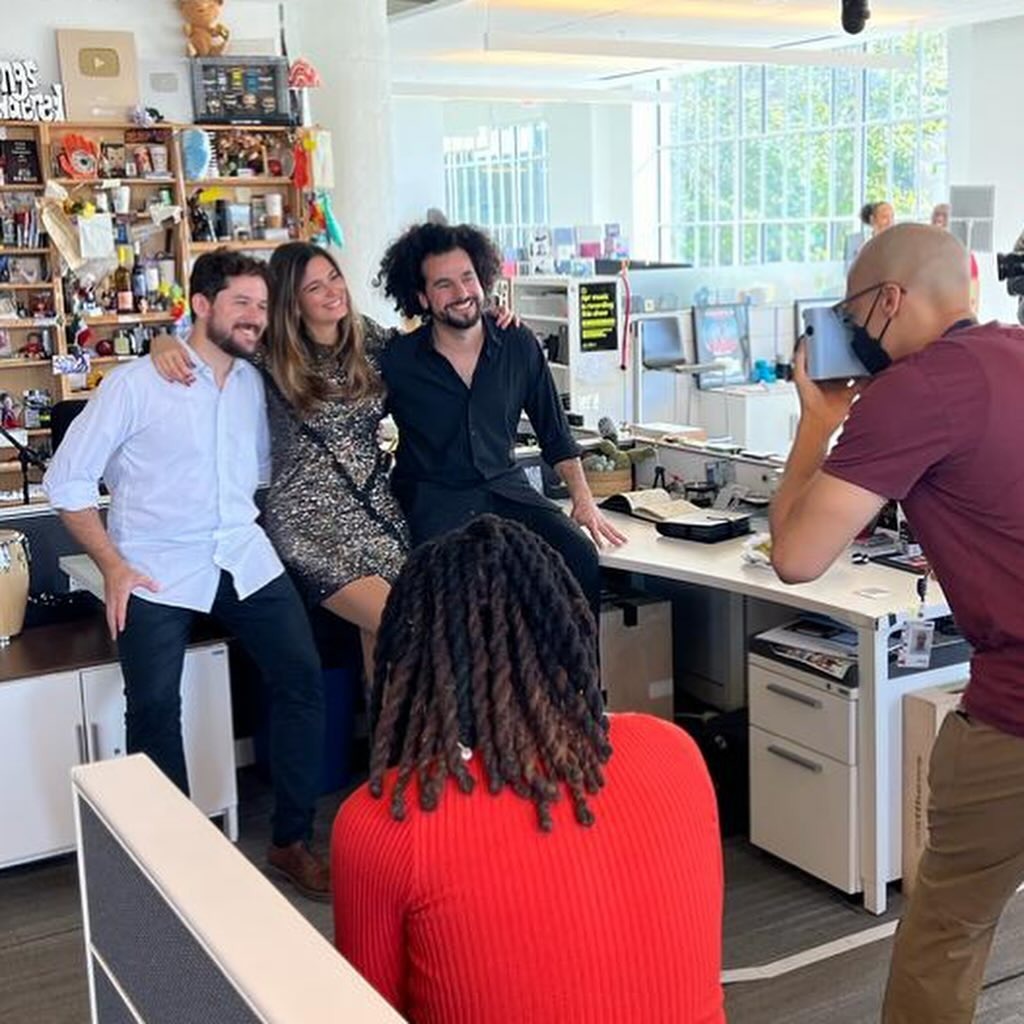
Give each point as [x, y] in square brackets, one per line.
[182, 466]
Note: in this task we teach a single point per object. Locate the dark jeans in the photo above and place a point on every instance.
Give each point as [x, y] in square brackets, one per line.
[456, 508]
[273, 627]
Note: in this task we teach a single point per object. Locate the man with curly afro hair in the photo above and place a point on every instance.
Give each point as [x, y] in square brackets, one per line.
[457, 388]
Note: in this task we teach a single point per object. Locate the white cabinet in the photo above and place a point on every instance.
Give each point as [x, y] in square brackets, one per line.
[205, 719]
[41, 740]
[803, 771]
[50, 723]
[758, 417]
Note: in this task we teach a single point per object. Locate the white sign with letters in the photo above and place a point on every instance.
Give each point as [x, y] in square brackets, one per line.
[20, 97]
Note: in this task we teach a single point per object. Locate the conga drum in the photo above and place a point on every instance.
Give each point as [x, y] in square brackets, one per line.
[13, 583]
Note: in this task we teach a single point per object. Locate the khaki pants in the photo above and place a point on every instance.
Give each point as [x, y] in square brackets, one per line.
[972, 865]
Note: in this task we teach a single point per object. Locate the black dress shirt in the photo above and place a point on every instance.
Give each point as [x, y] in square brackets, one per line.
[454, 438]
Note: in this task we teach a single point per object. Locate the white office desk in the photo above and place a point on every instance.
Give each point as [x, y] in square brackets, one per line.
[838, 594]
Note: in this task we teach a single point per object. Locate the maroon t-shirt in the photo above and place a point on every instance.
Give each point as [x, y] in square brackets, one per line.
[942, 431]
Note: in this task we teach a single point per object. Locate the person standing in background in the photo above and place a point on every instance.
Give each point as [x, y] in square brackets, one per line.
[878, 216]
[940, 219]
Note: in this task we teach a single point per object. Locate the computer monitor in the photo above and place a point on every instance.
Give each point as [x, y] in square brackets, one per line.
[662, 345]
[722, 335]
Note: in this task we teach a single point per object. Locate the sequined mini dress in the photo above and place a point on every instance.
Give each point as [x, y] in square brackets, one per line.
[329, 511]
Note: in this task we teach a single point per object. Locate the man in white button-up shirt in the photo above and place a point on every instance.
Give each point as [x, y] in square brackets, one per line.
[181, 537]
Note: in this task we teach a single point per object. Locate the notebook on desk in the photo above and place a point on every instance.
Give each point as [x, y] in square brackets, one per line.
[654, 504]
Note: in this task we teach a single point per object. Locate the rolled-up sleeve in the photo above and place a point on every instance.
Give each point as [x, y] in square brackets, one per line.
[544, 408]
[72, 479]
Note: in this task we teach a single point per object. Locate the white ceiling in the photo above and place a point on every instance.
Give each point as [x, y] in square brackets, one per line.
[443, 42]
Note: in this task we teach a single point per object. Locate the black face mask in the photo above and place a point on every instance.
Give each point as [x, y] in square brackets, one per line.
[867, 347]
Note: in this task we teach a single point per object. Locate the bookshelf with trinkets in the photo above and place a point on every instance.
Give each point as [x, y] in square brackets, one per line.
[134, 206]
[241, 188]
[30, 300]
[122, 198]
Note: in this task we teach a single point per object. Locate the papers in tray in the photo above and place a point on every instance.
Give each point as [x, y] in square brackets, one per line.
[819, 644]
[654, 504]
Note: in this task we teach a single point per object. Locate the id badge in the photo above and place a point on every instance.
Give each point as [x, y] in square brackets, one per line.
[916, 649]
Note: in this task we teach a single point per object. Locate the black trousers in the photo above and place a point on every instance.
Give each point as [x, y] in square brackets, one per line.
[274, 629]
[451, 510]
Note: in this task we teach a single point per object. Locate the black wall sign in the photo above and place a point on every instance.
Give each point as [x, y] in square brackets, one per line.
[599, 317]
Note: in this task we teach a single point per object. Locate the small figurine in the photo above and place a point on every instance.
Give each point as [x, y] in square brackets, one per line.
[206, 36]
[202, 228]
[33, 348]
[8, 411]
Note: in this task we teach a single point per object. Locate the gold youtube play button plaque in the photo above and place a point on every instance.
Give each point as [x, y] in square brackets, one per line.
[98, 62]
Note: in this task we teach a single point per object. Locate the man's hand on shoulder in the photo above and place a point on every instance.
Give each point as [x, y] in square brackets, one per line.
[118, 583]
[590, 517]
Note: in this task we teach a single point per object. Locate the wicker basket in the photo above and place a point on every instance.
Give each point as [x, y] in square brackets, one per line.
[612, 481]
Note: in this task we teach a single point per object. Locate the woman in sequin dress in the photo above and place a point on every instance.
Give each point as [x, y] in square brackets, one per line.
[329, 512]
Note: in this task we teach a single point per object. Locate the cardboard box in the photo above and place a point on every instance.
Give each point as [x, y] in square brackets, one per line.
[923, 714]
[636, 655]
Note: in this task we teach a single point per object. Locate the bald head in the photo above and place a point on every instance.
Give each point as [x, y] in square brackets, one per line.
[919, 257]
[933, 270]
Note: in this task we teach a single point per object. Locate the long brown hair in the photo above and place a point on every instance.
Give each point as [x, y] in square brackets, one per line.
[290, 349]
[487, 642]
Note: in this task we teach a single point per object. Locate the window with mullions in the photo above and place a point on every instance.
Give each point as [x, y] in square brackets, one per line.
[772, 164]
[498, 179]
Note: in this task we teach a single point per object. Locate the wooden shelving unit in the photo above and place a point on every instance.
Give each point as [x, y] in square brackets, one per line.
[255, 245]
[18, 374]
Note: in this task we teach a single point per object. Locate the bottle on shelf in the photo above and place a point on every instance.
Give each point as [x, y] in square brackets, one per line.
[152, 281]
[122, 342]
[123, 284]
[140, 301]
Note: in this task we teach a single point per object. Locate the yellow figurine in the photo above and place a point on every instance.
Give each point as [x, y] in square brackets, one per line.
[207, 37]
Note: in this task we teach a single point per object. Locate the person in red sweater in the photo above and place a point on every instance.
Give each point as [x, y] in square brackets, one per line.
[502, 863]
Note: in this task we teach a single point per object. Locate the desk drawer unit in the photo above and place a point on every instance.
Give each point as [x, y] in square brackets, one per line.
[803, 712]
[803, 770]
[803, 808]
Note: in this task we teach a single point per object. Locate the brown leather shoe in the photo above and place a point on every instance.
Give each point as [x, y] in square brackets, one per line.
[309, 873]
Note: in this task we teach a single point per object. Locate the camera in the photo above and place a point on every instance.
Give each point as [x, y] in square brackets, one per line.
[827, 340]
[1010, 268]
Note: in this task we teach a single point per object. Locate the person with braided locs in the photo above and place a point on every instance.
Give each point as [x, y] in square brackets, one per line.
[517, 854]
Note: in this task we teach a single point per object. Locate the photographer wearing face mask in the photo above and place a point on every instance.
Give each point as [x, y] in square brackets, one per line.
[938, 427]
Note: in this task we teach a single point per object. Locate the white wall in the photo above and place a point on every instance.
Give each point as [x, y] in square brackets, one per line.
[986, 144]
[159, 37]
[418, 134]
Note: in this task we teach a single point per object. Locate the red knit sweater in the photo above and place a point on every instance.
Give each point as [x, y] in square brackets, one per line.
[471, 914]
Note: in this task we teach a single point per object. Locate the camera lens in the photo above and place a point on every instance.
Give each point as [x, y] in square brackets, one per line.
[1009, 265]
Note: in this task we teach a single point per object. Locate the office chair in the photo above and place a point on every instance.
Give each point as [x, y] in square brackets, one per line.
[61, 416]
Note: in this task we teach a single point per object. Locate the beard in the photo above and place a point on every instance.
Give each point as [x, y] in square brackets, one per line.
[223, 337]
[461, 319]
